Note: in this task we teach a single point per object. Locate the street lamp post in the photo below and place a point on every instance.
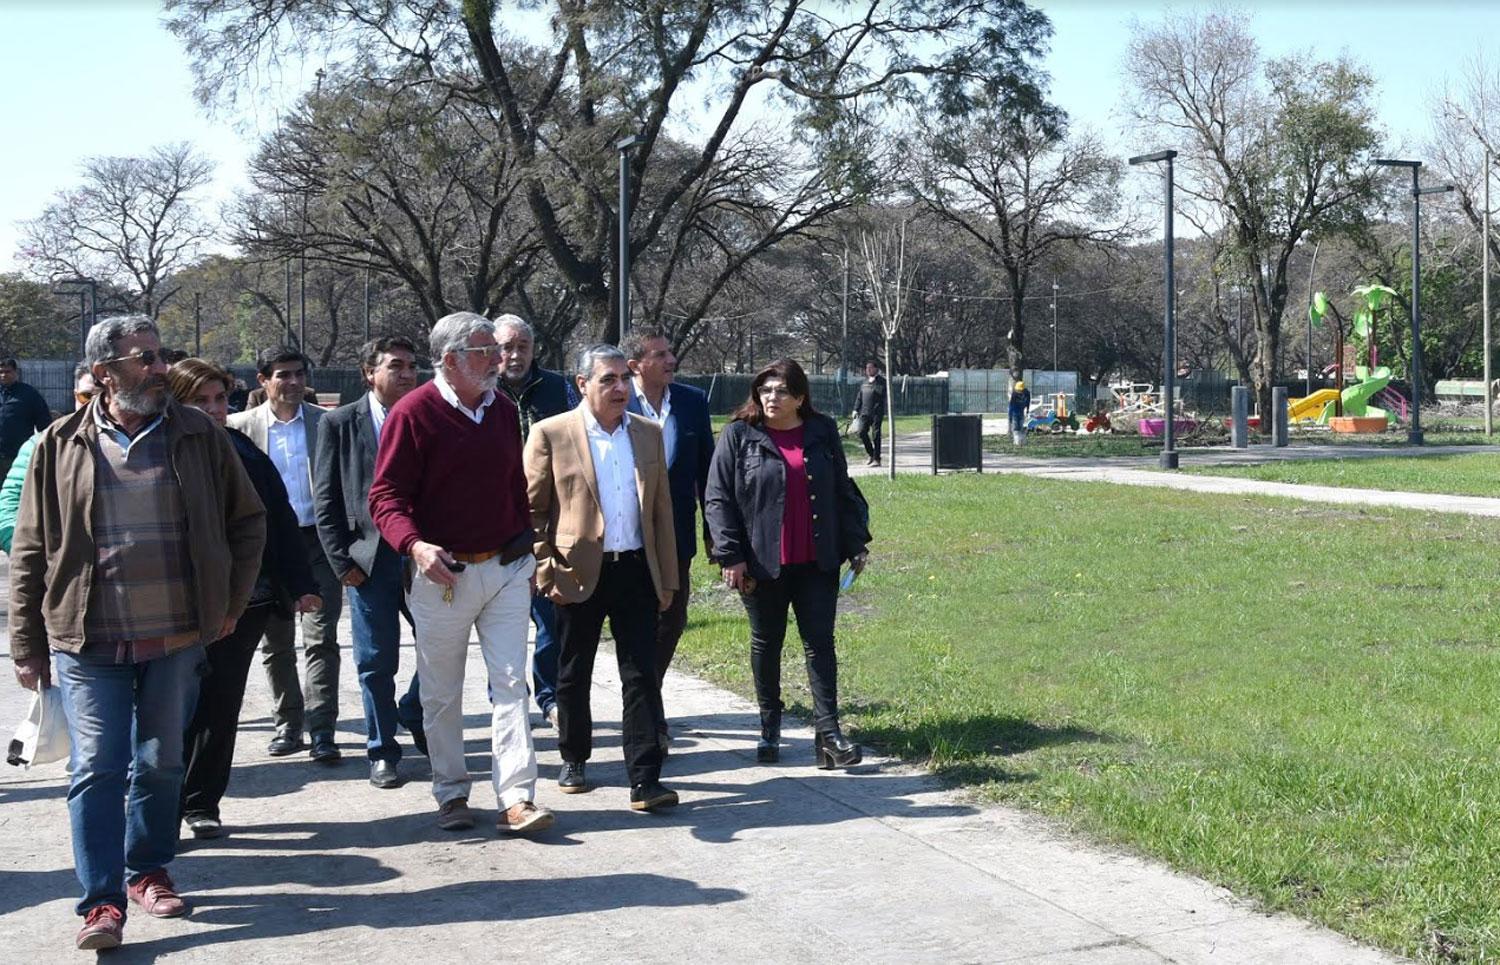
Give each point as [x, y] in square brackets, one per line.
[1414, 435]
[1055, 379]
[1489, 391]
[625, 145]
[1169, 360]
[88, 304]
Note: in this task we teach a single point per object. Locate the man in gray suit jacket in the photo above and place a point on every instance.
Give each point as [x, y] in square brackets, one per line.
[285, 428]
[347, 442]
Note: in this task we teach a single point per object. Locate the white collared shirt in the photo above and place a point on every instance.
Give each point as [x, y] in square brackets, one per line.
[377, 415]
[286, 444]
[446, 391]
[614, 472]
[662, 418]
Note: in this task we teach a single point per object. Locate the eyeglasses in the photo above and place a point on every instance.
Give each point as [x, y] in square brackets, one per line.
[774, 392]
[147, 358]
[489, 351]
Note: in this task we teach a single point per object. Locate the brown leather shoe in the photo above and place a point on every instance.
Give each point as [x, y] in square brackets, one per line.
[103, 927]
[156, 895]
[526, 818]
[455, 815]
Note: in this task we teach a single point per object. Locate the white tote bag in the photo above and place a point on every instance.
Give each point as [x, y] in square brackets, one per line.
[43, 736]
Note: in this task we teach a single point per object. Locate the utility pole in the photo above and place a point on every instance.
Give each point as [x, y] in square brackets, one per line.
[1056, 382]
[198, 324]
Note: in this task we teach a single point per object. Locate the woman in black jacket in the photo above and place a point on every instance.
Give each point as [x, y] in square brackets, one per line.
[285, 584]
[784, 515]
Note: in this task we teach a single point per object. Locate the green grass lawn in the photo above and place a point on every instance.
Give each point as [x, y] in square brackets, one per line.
[1476, 474]
[1295, 701]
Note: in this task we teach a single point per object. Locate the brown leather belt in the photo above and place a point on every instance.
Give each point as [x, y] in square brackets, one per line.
[474, 557]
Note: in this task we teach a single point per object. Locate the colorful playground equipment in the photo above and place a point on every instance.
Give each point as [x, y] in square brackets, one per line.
[1052, 416]
[1349, 409]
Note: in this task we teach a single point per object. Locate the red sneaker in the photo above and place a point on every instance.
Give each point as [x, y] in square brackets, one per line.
[156, 895]
[103, 927]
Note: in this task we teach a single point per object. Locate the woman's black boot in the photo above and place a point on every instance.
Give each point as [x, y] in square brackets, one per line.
[836, 750]
[768, 748]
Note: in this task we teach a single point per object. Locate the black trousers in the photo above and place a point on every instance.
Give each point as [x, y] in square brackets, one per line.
[208, 748]
[627, 598]
[813, 596]
[869, 434]
[670, 624]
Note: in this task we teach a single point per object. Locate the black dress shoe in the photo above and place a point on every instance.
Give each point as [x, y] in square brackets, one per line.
[768, 748]
[383, 774]
[570, 780]
[650, 796]
[324, 749]
[283, 744]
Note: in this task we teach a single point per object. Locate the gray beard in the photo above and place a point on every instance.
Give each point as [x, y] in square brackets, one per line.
[139, 401]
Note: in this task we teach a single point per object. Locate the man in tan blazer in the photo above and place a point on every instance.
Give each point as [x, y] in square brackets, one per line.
[285, 427]
[605, 542]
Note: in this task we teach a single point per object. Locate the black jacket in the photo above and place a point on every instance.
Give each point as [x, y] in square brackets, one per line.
[687, 473]
[284, 571]
[871, 401]
[544, 395]
[747, 492]
[23, 411]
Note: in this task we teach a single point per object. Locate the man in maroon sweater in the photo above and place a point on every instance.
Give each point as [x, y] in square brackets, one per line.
[450, 493]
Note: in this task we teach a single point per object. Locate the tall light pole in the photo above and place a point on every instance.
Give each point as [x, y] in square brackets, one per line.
[1489, 391]
[1311, 270]
[1055, 379]
[625, 145]
[1169, 360]
[1414, 435]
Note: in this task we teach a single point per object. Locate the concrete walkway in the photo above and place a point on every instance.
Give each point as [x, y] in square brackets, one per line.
[765, 864]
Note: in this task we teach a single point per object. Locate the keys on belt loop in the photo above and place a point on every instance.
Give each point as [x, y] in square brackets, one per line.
[448, 595]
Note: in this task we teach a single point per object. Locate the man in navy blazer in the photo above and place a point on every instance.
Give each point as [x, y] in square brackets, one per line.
[682, 412]
[348, 440]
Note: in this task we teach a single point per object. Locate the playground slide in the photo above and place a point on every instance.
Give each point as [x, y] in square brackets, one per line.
[1357, 397]
[1312, 407]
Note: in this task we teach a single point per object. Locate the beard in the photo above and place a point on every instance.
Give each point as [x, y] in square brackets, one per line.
[139, 400]
[489, 382]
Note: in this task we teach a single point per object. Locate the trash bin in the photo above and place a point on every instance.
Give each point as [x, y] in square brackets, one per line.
[957, 443]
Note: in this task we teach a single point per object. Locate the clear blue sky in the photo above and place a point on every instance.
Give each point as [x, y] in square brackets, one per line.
[86, 77]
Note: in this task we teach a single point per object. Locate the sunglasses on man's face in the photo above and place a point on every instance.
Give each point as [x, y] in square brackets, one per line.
[146, 357]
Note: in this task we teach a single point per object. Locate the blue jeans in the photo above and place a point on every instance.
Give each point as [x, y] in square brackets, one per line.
[544, 661]
[126, 722]
[375, 612]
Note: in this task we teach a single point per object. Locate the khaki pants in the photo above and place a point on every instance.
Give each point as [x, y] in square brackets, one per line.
[493, 599]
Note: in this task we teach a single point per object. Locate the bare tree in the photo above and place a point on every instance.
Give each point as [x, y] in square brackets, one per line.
[891, 277]
[131, 223]
[1020, 191]
[1271, 152]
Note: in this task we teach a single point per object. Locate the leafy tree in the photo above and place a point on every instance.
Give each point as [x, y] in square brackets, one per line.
[33, 322]
[1271, 152]
[605, 70]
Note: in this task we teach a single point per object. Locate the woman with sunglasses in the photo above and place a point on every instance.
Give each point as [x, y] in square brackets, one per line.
[285, 583]
[784, 516]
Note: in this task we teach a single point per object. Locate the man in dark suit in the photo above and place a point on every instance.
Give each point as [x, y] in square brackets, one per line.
[285, 427]
[538, 394]
[347, 442]
[682, 413]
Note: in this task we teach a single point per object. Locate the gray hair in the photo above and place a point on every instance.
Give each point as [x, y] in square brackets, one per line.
[99, 344]
[594, 354]
[452, 332]
[514, 322]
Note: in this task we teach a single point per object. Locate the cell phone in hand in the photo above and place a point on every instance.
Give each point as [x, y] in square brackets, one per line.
[456, 567]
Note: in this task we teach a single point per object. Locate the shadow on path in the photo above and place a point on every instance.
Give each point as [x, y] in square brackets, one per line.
[277, 914]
